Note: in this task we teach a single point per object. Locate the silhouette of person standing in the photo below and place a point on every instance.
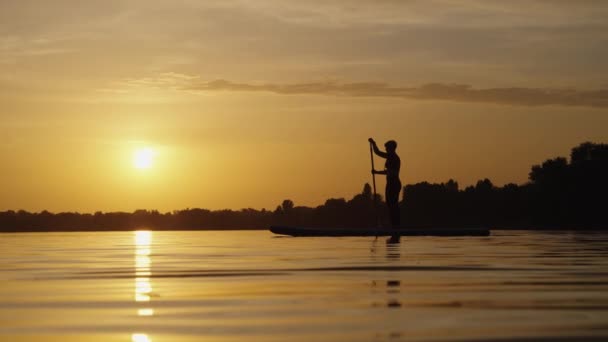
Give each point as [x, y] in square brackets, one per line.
[393, 183]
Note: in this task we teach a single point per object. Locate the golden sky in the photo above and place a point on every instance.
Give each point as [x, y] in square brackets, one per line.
[247, 103]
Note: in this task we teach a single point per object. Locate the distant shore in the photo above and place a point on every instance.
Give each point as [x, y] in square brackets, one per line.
[561, 194]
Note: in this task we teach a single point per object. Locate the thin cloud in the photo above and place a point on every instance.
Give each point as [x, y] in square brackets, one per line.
[517, 96]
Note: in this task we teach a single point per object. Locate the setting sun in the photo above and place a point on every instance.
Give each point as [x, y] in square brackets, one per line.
[143, 158]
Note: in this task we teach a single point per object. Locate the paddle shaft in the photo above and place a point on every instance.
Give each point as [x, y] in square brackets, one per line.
[371, 154]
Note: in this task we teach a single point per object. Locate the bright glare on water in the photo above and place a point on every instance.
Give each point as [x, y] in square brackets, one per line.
[252, 286]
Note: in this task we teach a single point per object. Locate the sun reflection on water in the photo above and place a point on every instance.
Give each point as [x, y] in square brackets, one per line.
[143, 272]
[143, 286]
[145, 312]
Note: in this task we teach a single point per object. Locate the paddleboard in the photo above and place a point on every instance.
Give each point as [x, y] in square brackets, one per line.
[333, 232]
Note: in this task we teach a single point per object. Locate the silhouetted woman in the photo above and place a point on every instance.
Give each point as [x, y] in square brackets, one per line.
[393, 183]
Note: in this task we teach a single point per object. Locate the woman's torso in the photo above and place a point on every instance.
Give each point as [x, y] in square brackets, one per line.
[393, 166]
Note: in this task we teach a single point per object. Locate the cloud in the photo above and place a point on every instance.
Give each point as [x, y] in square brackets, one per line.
[478, 42]
[517, 96]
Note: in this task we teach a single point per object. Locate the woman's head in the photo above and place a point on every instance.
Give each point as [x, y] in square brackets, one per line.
[391, 145]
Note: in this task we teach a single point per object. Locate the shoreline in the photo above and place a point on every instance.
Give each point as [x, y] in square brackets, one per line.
[96, 230]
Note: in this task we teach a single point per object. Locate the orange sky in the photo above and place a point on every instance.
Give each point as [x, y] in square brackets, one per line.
[249, 103]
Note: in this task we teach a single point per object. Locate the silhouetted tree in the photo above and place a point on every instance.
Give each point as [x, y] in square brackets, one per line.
[287, 205]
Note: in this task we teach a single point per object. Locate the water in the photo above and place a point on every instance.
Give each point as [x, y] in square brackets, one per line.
[250, 285]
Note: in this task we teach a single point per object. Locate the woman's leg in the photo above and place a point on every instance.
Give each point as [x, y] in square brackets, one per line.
[392, 201]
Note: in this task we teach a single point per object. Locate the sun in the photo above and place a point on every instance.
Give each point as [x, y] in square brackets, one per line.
[143, 158]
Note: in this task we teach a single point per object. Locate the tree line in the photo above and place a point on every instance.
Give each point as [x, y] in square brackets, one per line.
[560, 193]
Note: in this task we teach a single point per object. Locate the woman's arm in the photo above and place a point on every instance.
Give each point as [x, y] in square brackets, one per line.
[377, 150]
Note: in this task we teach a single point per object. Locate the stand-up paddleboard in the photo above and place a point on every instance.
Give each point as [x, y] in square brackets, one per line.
[333, 232]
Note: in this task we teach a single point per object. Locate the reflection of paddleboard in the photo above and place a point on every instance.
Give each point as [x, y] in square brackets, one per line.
[319, 232]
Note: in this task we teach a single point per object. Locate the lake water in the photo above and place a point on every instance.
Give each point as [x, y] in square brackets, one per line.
[252, 286]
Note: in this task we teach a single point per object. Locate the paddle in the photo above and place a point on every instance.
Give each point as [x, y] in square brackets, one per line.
[371, 154]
